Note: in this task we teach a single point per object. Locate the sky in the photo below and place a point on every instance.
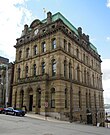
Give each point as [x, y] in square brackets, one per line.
[92, 15]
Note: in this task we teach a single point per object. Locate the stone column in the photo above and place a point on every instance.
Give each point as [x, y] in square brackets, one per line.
[59, 98]
[26, 99]
[42, 110]
[59, 66]
[34, 100]
[18, 99]
[13, 97]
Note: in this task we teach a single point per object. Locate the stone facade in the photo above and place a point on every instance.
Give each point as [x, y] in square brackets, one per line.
[57, 72]
[6, 79]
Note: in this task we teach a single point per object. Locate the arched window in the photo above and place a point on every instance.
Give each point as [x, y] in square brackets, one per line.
[43, 68]
[78, 74]
[22, 97]
[69, 47]
[34, 69]
[65, 44]
[53, 67]
[88, 80]
[66, 98]
[87, 60]
[53, 98]
[92, 63]
[19, 72]
[65, 68]
[15, 99]
[26, 71]
[93, 79]
[84, 57]
[53, 43]
[89, 100]
[35, 49]
[27, 53]
[43, 47]
[70, 73]
[77, 53]
[79, 94]
[20, 55]
[84, 76]
[95, 100]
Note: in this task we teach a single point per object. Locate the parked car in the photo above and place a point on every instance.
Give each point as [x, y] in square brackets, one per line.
[1, 109]
[14, 111]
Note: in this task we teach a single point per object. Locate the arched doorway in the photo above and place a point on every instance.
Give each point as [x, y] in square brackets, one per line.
[22, 98]
[30, 99]
[89, 117]
[15, 102]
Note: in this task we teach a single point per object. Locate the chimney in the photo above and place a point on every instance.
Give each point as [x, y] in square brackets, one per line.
[25, 29]
[80, 30]
[87, 38]
[49, 17]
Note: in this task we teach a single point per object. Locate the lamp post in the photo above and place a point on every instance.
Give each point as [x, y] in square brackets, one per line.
[106, 119]
[6, 92]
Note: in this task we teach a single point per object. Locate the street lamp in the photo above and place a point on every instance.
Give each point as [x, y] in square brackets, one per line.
[6, 92]
[106, 119]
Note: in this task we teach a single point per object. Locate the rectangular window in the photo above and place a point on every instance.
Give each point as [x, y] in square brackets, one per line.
[27, 53]
[43, 47]
[53, 43]
[53, 98]
[35, 50]
[65, 44]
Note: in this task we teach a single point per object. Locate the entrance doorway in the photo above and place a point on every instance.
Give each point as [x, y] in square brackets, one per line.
[89, 118]
[30, 102]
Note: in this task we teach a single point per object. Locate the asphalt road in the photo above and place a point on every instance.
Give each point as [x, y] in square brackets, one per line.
[14, 125]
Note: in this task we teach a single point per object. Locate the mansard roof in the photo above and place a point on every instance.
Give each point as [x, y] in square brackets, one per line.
[57, 16]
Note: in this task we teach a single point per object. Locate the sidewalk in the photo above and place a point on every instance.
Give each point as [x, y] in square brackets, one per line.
[41, 117]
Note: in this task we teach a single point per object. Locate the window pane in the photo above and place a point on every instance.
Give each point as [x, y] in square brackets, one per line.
[35, 49]
[54, 44]
[43, 47]
[34, 69]
[53, 68]
[43, 67]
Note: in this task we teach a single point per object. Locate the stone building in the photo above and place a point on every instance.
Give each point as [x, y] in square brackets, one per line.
[58, 71]
[6, 79]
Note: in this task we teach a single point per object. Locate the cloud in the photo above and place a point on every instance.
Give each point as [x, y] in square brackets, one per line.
[108, 38]
[14, 14]
[106, 79]
[108, 3]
